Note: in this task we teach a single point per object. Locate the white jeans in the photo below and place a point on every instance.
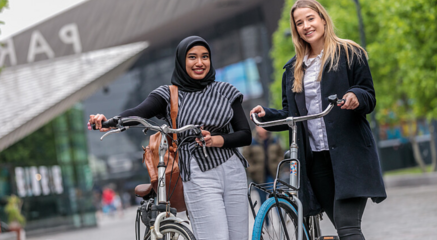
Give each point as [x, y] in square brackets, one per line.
[217, 201]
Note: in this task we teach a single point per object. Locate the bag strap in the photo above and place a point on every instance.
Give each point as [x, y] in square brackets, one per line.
[174, 96]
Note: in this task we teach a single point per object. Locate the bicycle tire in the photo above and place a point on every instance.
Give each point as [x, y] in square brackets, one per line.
[169, 230]
[268, 225]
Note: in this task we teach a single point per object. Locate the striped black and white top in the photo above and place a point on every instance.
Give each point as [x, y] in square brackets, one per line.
[210, 108]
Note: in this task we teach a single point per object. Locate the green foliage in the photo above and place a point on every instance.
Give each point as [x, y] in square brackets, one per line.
[59, 141]
[13, 210]
[36, 149]
[3, 4]
[403, 52]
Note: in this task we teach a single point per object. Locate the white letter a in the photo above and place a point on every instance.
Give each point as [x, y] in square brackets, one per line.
[38, 45]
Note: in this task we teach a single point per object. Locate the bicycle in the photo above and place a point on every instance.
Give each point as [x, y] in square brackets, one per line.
[158, 217]
[283, 207]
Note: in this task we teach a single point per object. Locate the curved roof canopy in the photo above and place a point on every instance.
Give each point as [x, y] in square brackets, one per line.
[33, 94]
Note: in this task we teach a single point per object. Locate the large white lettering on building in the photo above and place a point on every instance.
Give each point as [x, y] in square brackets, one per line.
[68, 34]
[38, 45]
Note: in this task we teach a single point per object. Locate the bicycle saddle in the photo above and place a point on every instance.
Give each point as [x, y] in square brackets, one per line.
[143, 190]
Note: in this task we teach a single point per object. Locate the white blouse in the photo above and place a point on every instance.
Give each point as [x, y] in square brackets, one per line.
[313, 99]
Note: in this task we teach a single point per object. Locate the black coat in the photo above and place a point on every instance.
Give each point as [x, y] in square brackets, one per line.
[357, 171]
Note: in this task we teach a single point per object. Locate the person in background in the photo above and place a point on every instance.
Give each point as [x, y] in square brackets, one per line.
[108, 201]
[263, 155]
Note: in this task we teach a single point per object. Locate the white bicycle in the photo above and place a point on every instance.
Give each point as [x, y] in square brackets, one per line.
[158, 217]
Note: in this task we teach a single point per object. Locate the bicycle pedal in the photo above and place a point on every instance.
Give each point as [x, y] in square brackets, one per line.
[328, 238]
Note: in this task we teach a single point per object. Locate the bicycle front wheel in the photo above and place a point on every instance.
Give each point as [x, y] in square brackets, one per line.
[268, 221]
[173, 231]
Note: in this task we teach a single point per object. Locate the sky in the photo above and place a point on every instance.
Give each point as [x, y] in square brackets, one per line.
[22, 14]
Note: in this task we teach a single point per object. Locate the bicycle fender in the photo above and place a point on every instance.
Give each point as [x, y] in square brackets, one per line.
[156, 234]
[161, 219]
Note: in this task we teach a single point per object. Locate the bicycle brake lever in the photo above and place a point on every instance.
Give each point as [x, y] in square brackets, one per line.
[199, 135]
[118, 130]
[204, 147]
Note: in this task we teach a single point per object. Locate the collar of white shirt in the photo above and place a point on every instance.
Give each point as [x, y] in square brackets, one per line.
[308, 61]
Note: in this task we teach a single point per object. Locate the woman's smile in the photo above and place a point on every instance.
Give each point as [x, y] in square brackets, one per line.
[310, 33]
[199, 71]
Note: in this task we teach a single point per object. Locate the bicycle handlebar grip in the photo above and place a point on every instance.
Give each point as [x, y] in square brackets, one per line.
[112, 122]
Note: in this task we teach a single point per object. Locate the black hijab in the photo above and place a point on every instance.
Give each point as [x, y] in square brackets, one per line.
[180, 76]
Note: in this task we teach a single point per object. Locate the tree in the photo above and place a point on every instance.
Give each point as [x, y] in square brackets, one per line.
[3, 4]
[403, 60]
[36, 149]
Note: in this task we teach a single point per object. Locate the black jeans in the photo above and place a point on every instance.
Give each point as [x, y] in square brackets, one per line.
[345, 214]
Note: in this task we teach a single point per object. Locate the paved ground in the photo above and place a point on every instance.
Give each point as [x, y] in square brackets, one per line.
[408, 213]
[109, 228]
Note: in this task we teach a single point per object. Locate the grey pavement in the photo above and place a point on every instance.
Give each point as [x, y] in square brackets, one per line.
[109, 228]
[409, 212]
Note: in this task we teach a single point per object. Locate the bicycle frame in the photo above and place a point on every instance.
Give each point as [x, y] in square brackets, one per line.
[294, 183]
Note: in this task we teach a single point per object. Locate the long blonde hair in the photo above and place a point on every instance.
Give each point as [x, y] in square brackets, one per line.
[332, 46]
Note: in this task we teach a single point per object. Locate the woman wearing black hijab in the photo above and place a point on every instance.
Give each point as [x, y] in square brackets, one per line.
[214, 187]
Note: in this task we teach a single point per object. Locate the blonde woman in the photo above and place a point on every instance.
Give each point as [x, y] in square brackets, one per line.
[340, 164]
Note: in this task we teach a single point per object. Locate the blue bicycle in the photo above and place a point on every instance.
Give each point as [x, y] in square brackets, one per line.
[280, 217]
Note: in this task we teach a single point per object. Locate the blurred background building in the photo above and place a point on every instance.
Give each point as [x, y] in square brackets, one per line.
[105, 56]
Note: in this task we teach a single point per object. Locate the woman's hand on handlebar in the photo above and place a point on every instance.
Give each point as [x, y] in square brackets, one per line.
[211, 141]
[351, 101]
[206, 137]
[259, 110]
[97, 120]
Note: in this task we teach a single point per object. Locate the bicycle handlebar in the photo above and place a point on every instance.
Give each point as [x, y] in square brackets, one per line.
[157, 128]
[113, 122]
[292, 120]
[164, 129]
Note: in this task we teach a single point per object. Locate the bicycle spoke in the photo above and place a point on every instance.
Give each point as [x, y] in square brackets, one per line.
[176, 236]
[273, 228]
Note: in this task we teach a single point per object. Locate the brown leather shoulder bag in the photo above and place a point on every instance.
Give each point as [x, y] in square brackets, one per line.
[174, 187]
